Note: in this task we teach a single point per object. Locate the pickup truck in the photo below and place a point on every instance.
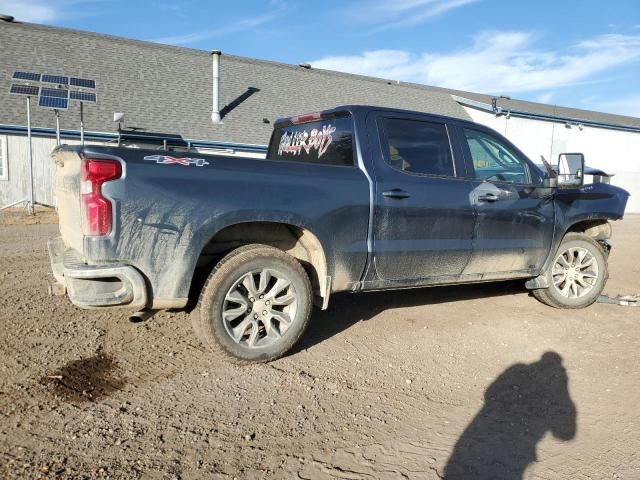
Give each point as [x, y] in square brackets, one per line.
[350, 199]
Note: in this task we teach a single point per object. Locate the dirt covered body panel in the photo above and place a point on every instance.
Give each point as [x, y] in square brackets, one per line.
[590, 202]
[165, 214]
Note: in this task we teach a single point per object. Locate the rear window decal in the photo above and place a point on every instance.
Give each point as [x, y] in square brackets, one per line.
[294, 142]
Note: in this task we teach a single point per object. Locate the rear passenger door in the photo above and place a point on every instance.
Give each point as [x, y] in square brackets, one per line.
[423, 219]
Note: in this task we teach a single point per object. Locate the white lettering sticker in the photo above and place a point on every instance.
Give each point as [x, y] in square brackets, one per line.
[295, 142]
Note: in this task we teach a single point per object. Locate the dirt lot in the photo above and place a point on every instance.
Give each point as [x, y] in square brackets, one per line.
[466, 382]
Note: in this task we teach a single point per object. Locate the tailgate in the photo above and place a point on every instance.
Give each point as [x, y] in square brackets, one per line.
[67, 191]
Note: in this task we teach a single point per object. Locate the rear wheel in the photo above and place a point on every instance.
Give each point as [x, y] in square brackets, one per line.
[577, 274]
[254, 306]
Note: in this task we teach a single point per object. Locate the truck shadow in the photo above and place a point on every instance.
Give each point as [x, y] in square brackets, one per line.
[524, 403]
[347, 309]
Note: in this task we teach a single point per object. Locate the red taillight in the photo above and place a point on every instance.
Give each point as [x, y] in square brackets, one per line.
[96, 210]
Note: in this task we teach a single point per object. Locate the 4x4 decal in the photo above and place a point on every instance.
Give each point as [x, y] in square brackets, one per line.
[167, 160]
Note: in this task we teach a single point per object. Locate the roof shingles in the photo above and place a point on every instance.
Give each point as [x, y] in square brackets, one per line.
[168, 89]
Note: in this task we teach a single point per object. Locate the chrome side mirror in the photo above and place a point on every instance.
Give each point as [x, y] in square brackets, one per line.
[570, 169]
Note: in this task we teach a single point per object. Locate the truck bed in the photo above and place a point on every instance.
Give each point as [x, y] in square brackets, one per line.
[167, 208]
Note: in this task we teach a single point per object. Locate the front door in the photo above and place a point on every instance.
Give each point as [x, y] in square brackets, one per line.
[515, 215]
[423, 216]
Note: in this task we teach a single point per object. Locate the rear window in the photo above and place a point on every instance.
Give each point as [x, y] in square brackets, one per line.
[328, 141]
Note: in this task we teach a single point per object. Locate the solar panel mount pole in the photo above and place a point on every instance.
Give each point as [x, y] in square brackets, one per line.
[57, 112]
[81, 125]
[31, 204]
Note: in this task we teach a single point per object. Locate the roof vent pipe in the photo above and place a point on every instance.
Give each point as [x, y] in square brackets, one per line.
[215, 113]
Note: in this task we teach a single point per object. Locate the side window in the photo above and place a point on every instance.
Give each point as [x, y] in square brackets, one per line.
[418, 147]
[4, 175]
[494, 161]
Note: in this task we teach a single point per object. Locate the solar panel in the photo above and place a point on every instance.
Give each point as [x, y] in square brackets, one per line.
[34, 77]
[82, 82]
[53, 102]
[59, 79]
[55, 92]
[17, 89]
[82, 96]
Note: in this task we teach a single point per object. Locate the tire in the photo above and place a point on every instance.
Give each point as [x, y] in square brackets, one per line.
[560, 277]
[247, 312]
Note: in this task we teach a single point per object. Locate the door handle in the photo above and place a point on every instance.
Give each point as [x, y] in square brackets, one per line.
[396, 193]
[488, 197]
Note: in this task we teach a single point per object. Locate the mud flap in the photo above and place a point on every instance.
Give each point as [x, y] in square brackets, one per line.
[537, 282]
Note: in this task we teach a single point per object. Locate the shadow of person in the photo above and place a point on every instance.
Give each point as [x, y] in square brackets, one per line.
[524, 403]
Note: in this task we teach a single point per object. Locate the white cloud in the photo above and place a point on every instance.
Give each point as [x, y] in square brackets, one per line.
[544, 97]
[401, 13]
[423, 12]
[218, 31]
[393, 64]
[43, 11]
[33, 11]
[497, 62]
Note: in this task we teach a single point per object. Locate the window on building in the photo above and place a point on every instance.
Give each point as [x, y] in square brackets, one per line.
[418, 147]
[4, 174]
[494, 161]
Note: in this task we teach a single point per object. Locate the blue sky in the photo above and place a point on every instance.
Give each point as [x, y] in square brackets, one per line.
[584, 54]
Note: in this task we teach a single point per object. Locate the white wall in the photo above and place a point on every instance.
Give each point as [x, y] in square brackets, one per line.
[16, 187]
[611, 150]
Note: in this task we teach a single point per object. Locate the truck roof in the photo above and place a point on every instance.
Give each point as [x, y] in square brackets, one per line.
[363, 110]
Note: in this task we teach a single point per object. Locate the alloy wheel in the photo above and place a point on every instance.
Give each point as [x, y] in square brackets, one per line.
[259, 308]
[575, 272]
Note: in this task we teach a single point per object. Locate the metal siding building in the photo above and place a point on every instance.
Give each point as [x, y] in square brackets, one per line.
[169, 89]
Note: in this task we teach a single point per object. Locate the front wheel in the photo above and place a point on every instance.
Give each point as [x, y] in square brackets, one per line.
[577, 274]
[254, 306]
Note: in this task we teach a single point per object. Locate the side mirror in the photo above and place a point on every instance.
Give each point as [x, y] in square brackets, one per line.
[550, 182]
[570, 169]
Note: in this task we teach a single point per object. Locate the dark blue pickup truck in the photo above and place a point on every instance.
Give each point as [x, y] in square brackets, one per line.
[350, 199]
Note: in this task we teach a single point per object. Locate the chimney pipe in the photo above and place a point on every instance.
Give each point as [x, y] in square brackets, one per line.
[215, 113]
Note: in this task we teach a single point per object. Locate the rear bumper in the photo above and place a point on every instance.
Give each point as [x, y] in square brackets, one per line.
[96, 286]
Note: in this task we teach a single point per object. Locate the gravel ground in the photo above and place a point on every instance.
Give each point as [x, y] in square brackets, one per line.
[464, 382]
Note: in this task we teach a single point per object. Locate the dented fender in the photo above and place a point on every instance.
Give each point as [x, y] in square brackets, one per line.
[589, 203]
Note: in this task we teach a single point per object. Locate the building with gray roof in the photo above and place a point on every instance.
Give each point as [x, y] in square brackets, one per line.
[168, 90]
